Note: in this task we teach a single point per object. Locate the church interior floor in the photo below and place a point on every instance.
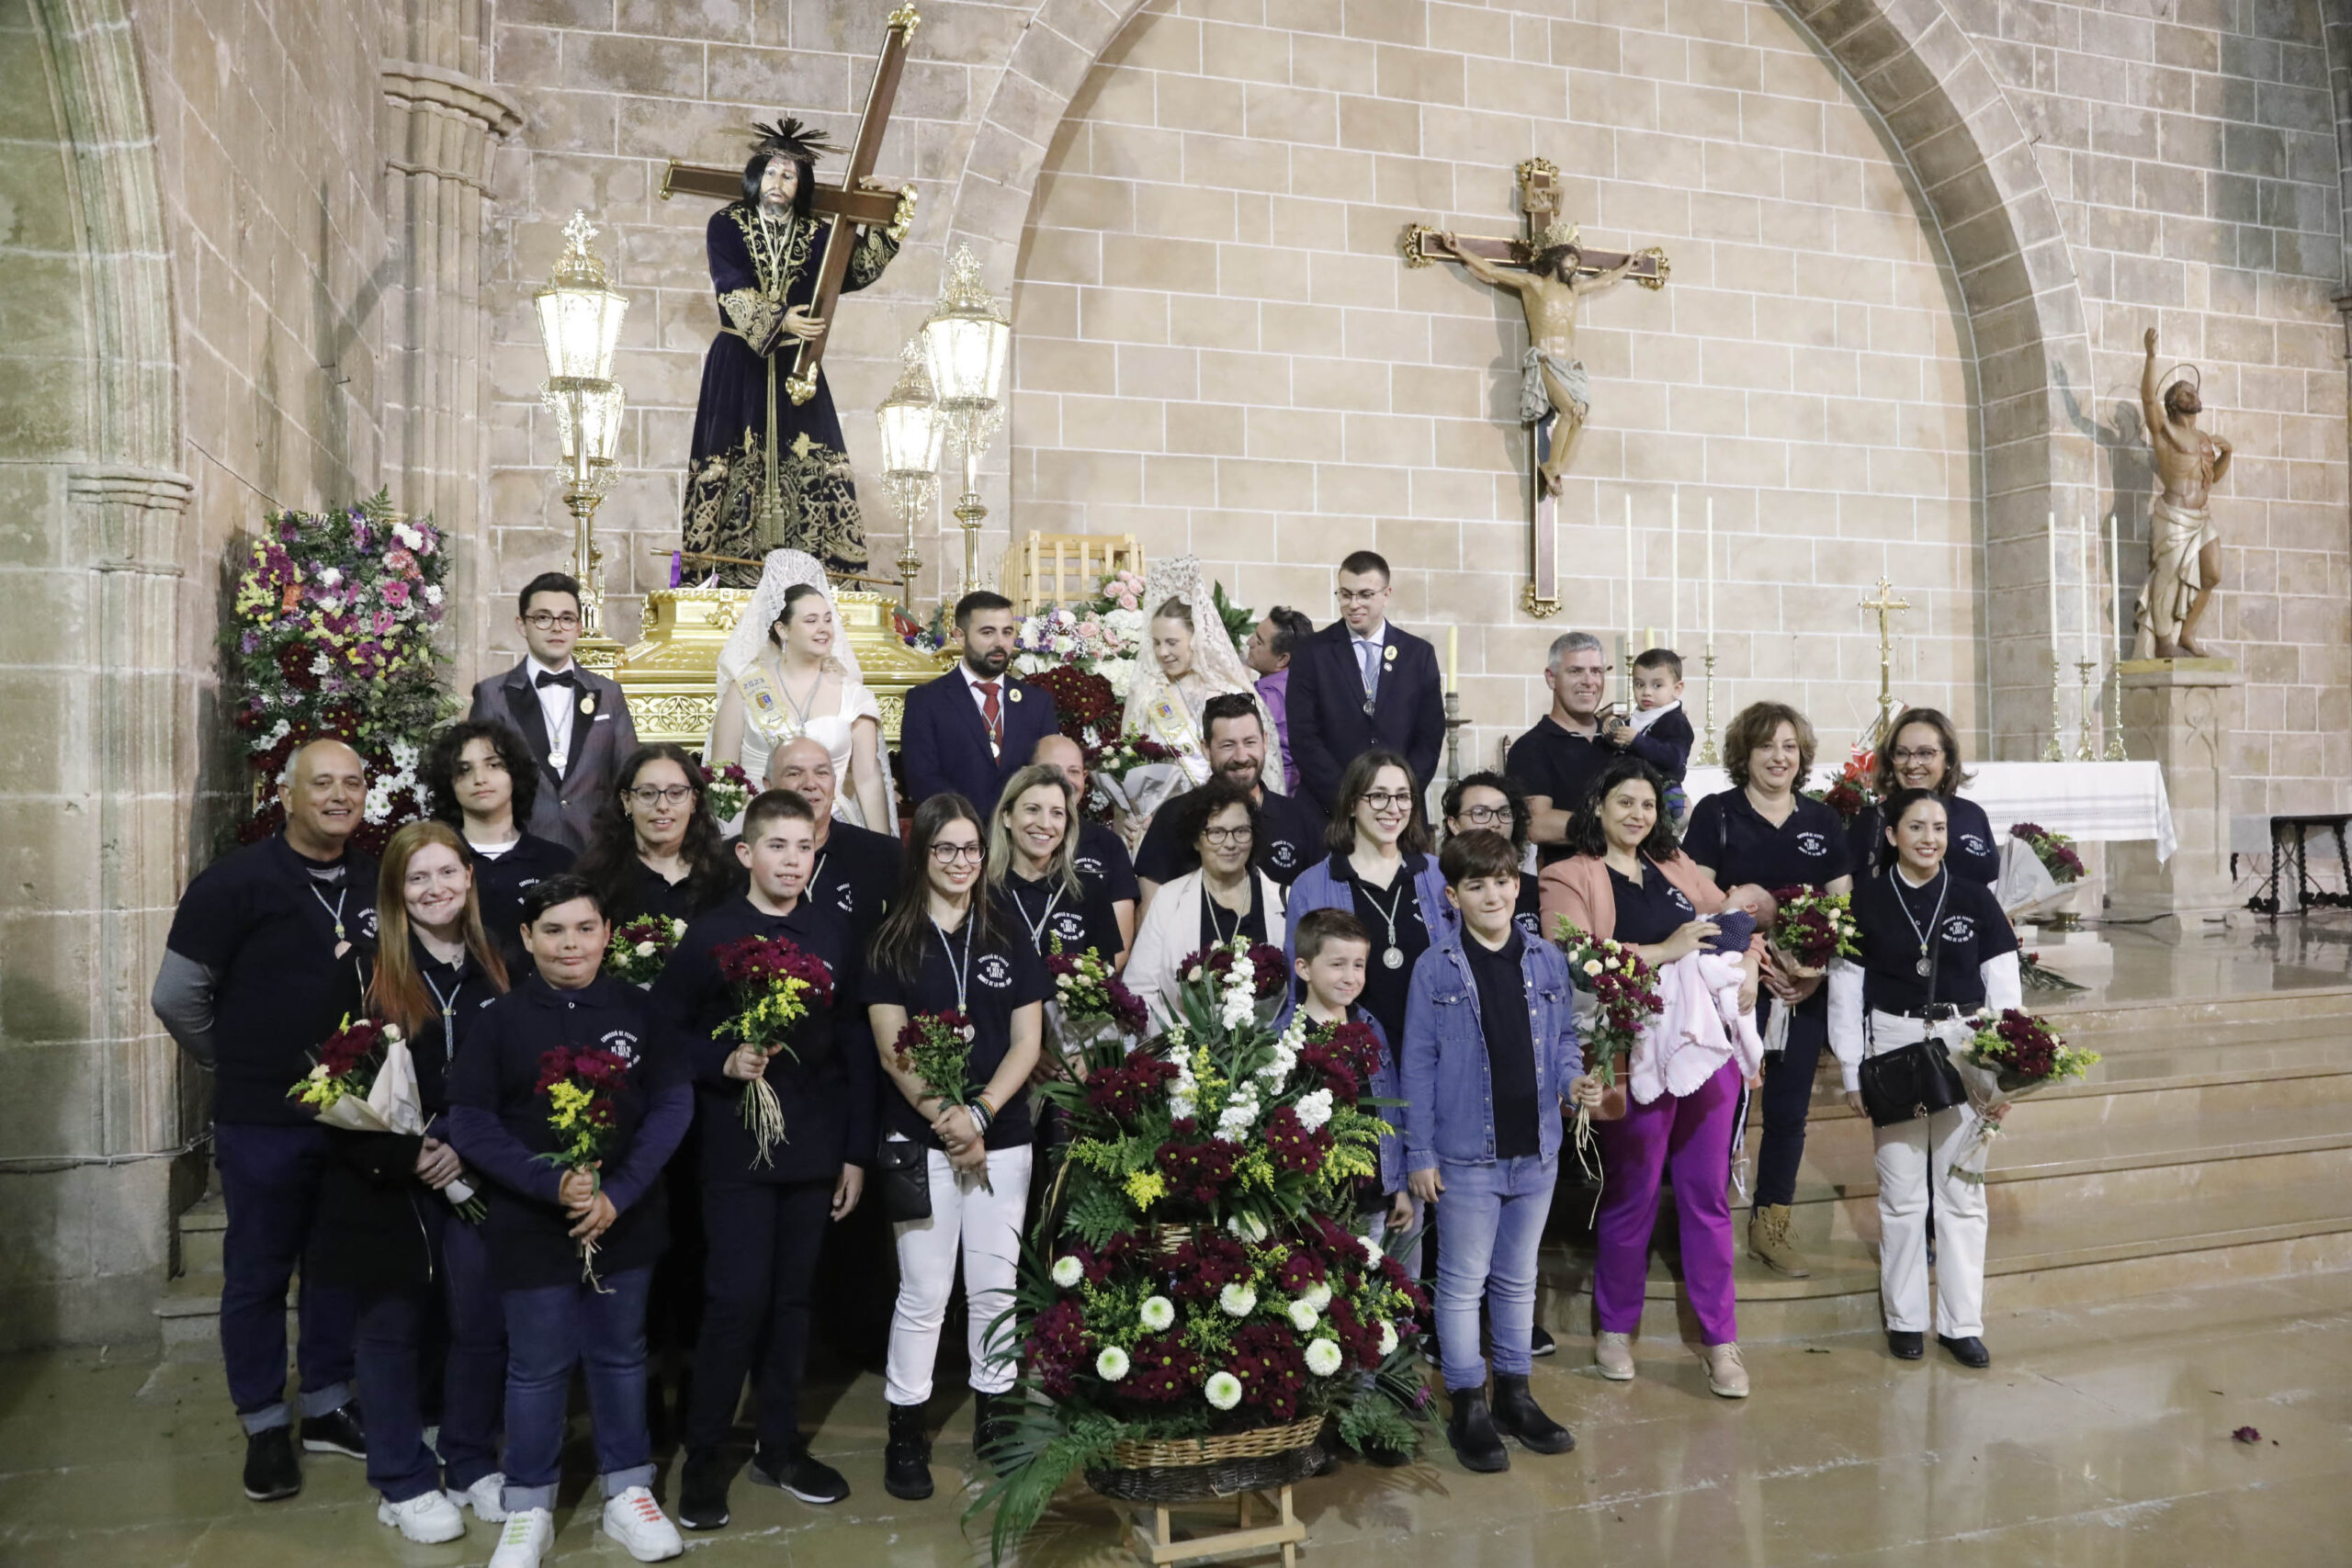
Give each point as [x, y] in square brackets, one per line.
[2170, 1260]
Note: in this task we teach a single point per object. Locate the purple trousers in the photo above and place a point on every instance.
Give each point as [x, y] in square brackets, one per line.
[1693, 1133]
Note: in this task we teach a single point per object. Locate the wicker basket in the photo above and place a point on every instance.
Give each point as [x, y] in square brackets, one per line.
[1183, 1468]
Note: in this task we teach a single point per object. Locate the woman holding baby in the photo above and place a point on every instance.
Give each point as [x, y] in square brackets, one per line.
[1756, 839]
[1626, 878]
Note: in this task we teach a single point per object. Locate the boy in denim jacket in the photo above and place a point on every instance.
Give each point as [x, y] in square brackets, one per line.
[1489, 1055]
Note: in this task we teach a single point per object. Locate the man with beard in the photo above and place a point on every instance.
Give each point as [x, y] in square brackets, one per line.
[973, 727]
[1292, 836]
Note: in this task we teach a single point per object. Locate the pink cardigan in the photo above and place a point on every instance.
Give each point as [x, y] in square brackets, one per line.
[1578, 888]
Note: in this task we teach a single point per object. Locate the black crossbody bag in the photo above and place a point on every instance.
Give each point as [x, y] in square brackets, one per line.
[904, 1175]
[1917, 1080]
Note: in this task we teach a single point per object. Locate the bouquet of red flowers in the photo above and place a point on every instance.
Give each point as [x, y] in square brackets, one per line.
[1812, 928]
[1092, 1014]
[365, 1081]
[639, 949]
[1616, 998]
[1347, 1056]
[777, 983]
[936, 1049]
[2011, 1055]
[1852, 791]
[726, 789]
[2055, 851]
[580, 1086]
[1269, 976]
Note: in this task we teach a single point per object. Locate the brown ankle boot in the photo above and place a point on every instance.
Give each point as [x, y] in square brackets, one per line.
[1768, 1244]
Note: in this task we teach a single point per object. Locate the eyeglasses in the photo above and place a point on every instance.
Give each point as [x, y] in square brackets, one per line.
[948, 854]
[1226, 835]
[1481, 815]
[1920, 754]
[1358, 595]
[1387, 799]
[547, 620]
[670, 795]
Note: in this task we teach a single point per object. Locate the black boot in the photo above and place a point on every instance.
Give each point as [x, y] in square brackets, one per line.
[1517, 1415]
[991, 1426]
[1472, 1432]
[905, 1463]
[702, 1489]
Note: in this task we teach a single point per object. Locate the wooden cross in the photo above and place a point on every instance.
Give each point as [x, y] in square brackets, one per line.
[1539, 201]
[859, 202]
[1885, 604]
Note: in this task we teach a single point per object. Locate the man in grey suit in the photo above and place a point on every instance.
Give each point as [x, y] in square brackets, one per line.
[575, 722]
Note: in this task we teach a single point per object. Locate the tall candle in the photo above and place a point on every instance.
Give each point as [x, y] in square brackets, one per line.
[2054, 654]
[1454, 658]
[1629, 569]
[2115, 577]
[1674, 572]
[2090, 570]
[1710, 571]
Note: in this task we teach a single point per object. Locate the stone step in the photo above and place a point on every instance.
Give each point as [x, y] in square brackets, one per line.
[2098, 1024]
[202, 1226]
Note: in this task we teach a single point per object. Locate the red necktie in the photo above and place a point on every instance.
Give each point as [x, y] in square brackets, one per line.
[992, 714]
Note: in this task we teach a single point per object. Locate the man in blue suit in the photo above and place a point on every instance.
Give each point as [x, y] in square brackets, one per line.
[1360, 683]
[973, 727]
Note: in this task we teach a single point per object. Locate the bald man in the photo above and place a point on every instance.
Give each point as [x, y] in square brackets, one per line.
[857, 871]
[264, 955]
[1101, 858]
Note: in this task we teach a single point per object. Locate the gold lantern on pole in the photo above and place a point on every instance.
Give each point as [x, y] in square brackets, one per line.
[580, 318]
[914, 434]
[966, 341]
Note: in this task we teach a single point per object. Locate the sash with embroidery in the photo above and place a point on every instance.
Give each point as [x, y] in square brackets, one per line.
[764, 707]
[1172, 724]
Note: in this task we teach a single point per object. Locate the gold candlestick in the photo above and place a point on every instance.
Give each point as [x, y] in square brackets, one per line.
[2115, 751]
[1708, 756]
[2055, 752]
[1454, 722]
[2084, 750]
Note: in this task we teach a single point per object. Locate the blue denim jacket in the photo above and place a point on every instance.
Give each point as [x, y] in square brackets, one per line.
[1388, 1083]
[1449, 1092]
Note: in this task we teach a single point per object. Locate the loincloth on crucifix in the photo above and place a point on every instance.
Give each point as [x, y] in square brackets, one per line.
[1535, 398]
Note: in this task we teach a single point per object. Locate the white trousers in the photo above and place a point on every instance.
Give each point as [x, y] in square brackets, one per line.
[986, 1227]
[1911, 1155]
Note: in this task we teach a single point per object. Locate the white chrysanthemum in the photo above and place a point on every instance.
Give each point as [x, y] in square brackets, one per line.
[1592, 965]
[1180, 1108]
[1303, 1315]
[1067, 1273]
[433, 594]
[1223, 1389]
[1112, 1364]
[1318, 1296]
[1372, 1253]
[1323, 1356]
[1387, 1340]
[1313, 1110]
[1156, 1314]
[1236, 1301]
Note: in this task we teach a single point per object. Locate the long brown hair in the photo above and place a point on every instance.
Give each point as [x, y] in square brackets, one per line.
[1955, 775]
[900, 941]
[398, 994]
[1339, 833]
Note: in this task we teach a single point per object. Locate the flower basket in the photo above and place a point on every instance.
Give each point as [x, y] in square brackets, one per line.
[1184, 1469]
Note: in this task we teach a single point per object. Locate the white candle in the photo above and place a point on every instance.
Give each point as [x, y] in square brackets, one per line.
[2054, 654]
[1629, 569]
[1674, 572]
[2115, 577]
[2090, 570]
[1454, 658]
[1710, 571]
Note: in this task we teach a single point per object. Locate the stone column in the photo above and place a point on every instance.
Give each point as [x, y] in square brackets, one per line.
[2181, 713]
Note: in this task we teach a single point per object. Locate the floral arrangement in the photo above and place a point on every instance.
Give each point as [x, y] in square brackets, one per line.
[345, 1068]
[1851, 793]
[580, 1086]
[1269, 977]
[2055, 851]
[330, 633]
[726, 790]
[640, 950]
[935, 1048]
[1812, 928]
[1095, 1012]
[2012, 1054]
[1625, 987]
[365, 1081]
[776, 984]
[1194, 1274]
[1087, 711]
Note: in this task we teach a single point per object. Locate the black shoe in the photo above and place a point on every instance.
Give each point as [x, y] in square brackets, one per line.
[702, 1489]
[271, 1473]
[337, 1432]
[796, 1470]
[1515, 1415]
[991, 1426]
[1906, 1344]
[905, 1463]
[1968, 1352]
[1429, 1348]
[1470, 1431]
[1540, 1342]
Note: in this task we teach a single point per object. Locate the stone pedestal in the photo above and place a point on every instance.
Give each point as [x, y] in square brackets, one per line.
[2181, 713]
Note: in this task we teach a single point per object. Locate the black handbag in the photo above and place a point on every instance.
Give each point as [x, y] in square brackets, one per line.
[1917, 1080]
[903, 1172]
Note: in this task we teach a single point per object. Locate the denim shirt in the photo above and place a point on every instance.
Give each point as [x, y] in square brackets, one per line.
[1449, 1092]
[1388, 1083]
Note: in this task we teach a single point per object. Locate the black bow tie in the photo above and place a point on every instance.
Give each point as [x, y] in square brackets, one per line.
[557, 678]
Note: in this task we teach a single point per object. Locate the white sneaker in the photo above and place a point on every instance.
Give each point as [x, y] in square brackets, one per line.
[528, 1533]
[428, 1519]
[486, 1497]
[1613, 1353]
[1727, 1373]
[636, 1521]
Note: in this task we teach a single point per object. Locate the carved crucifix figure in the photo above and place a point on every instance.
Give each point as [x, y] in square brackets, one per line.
[2184, 547]
[1550, 271]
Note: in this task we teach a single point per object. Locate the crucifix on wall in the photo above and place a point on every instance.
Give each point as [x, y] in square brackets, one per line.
[1550, 270]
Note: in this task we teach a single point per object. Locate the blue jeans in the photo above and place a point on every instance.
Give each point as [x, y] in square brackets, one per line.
[391, 1327]
[269, 1180]
[1491, 1221]
[550, 1330]
[474, 1385]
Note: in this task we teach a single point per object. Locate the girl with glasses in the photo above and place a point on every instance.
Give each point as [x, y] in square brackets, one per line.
[1380, 871]
[1492, 803]
[944, 948]
[1925, 754]
[1220, 898]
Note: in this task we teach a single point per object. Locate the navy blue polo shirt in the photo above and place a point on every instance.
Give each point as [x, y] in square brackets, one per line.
[497, 1072]
[856, 877]
[264, 926]
[1102, 859]
[502, 879]
[1651, 910]
[828, 1080]
[1047, 913]
[1965, 928]
[1560, 766]
[999, 978]
[1971, 851]
[1528, 913]
[1290, 833]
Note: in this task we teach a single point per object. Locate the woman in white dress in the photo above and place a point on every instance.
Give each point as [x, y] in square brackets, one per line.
[787, 670]
[1192, 658]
